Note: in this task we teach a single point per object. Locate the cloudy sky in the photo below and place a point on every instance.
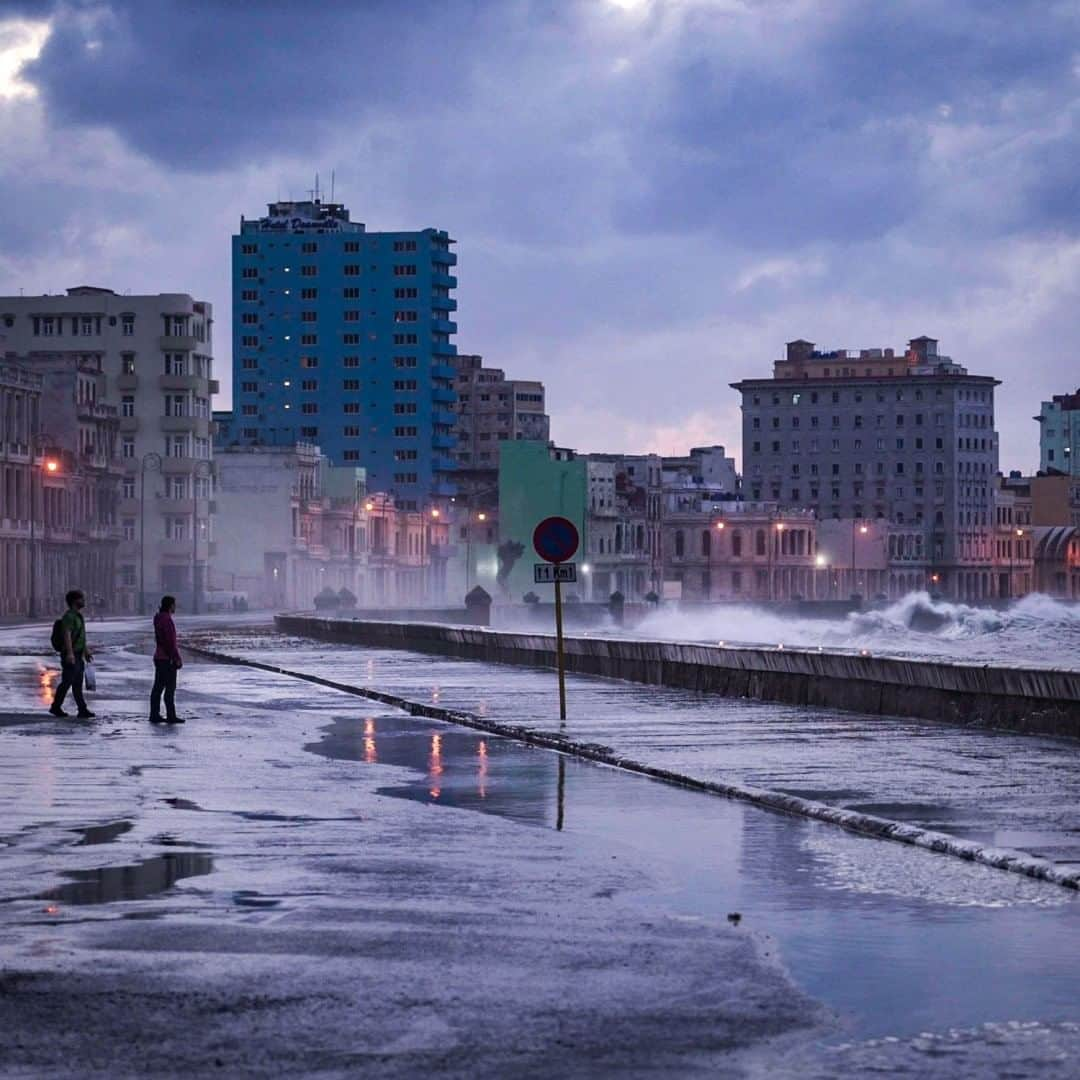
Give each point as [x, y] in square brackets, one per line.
[649, 196]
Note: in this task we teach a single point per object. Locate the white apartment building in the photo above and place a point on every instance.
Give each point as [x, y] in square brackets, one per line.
[156, 355]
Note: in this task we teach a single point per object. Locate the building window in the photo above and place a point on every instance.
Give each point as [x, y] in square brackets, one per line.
[249, 363]
[352, 316]
[351, 270]
[309, 432]
[351, 431]
[127, 363]
[127, 405]
[249, 249]
[309, 384]
[351, 408]
[127, 446]
[309, 316]
[309, 339]
[308, 408]
[350, 384]
[350, 455]
[404, 245]
[404, 384]
[410, 362]
[404, 408]
[405, 316]
[404, 270]
[249, 272]
[309, 361]
[127, 325]
[405, 293]
[352, 247]
[129, 487]
[308, 271]
[249, 341]
[405, 339]
[250, 318]
[249, 295]
[249, 410]
[351, 292]
[350, 339]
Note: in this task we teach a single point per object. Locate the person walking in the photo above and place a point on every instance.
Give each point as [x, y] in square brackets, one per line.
[167, 662]
[74, 656]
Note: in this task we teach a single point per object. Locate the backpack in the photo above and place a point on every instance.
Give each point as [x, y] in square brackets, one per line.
[57, 638]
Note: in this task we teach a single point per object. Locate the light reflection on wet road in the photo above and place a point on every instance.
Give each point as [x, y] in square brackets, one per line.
[899, 940]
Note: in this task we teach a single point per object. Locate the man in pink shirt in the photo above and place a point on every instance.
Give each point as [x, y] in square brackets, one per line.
[167, 662]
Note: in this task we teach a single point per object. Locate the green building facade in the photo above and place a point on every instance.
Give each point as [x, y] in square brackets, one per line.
[537, 481]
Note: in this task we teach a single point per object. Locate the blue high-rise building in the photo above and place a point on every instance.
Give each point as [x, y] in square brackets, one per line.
[342, 337]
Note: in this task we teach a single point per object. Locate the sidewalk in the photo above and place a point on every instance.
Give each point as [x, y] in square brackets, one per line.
[314, 925]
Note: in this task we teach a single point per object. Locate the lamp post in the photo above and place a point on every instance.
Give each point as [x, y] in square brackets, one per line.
[822, 564]
[1014, 544]
[151, 462]
[202, 470]
[481, 516]
[863, 530]
[772, 577]
[36, 441]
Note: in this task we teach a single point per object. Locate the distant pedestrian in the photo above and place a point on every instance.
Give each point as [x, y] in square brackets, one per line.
[167, 662]
[69, 640]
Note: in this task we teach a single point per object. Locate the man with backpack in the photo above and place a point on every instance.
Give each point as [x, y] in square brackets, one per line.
[69, 640]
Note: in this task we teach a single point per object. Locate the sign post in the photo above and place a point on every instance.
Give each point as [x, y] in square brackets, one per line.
[556, 540]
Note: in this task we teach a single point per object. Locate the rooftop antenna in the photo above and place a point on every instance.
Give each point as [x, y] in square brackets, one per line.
[331, 185]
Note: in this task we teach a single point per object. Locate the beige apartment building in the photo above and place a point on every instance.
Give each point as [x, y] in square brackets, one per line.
[155, 355]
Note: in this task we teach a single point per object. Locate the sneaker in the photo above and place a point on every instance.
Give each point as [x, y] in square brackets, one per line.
[86, 714]
[175, 720]
[55, 710]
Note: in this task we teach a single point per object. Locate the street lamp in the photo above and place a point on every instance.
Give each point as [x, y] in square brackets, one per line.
[1013, 546]
[863, 530]
[151, 462]
[202, 470]
[51, 466]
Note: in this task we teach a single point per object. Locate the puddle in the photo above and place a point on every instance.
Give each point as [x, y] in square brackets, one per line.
[146, 878]
[895, 939]
[103, 834]
[460, 768]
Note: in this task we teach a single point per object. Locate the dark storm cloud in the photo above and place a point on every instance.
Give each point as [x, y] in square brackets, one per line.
[774, 125]
[204, 84]
[824, 134]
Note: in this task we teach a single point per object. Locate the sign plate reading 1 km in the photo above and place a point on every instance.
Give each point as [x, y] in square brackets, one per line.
[555, 539]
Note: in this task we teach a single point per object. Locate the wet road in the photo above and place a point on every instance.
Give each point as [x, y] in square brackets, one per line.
[285, 821]
[996, 788]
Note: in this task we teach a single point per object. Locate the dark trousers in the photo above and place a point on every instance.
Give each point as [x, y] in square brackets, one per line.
[71, 678]
[164, 680]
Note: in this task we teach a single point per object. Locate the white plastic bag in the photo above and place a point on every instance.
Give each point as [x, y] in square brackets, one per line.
[89, 677]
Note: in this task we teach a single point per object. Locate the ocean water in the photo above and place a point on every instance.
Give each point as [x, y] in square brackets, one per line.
[1036, 631]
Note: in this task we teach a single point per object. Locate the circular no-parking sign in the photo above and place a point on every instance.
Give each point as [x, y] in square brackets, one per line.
[555, 539]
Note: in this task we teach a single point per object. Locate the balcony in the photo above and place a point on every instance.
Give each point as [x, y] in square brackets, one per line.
[95, 411]
[129, 425]
[181, 382]
[443, 326]
[441, 416]
[439, 277]
[443, 464]
[127, 382]
[176, 548]
[443, 487]
[446, 397]
[443, 371]
[177, 343]
[177, 466]
[443, 442]
[180, 424]
[445, 258]
[214, 386]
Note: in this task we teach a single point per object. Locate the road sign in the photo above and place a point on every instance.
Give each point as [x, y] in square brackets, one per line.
[548, 573]
[556, 539]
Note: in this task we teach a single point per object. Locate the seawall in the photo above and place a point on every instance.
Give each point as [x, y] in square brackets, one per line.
[1019, 699]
